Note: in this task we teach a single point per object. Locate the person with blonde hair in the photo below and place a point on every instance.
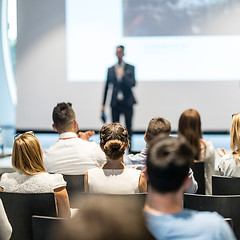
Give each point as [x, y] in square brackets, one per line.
[31, 176]
[114, 177]
[229, 164]
[189, 126]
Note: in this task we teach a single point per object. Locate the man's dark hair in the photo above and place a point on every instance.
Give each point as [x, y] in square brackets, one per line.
[63, 116]
[157, 126]
[121, 46]
[168, 163]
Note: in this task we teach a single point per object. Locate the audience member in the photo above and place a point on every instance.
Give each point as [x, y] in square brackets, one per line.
[5, 227]
[155, 127]
[72, 154]
[104, 218]
[114, 176]
[31, 176]
[229, 164]
[167, 174]
[190, 127]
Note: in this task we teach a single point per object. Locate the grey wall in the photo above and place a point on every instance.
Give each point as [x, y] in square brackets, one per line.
[41, 80]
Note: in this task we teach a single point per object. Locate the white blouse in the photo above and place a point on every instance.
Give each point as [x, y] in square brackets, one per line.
[113, 181]
[39, 183]
[228, 166]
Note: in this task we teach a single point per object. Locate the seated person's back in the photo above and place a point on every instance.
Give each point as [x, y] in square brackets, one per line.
[229, 163]
[31, 176]
[189, 126]
[189, 224]
[167, 173]
[124, 181]
[155, 127]
[40, 183]
[114, 176]
[70, 155]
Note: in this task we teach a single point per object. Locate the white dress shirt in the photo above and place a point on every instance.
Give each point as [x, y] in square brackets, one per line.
[119, 78]
[71, 155]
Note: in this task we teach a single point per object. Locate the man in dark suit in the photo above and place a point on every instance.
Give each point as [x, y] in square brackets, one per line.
[122, 78]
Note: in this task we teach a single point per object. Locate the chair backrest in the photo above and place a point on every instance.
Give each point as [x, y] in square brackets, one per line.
[225, 185]
[227, 206]
[75, 185]
[20, 207]
[42, 227]
[198, 171]
[229, 221]
[138, 197]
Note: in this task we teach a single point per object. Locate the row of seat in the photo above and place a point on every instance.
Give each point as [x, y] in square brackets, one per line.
[220, 185]
[21, 207]
[75, 183]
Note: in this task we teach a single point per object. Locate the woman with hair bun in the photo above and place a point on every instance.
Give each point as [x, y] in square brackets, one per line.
[114, 177]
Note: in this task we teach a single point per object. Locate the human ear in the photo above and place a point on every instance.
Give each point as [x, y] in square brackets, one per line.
[54, 127]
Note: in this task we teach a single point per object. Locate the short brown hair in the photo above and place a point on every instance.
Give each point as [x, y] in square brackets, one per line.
[157, 126]
[113, 140]
[63, 116]
[168, 163]
[27, 154]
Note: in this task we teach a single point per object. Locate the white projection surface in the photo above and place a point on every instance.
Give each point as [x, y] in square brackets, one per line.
[186, 54]
[201, 44]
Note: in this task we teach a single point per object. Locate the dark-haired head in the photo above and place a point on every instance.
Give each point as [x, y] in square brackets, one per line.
[120, 53]
[114, 140]
[168, 163]
[121, 46]
[190, 127]
[157, 126]
[63, 117]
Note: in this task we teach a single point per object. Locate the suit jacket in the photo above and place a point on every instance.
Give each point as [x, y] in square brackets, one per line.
[128, 81]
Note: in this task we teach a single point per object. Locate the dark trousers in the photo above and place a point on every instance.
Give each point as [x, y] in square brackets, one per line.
[122, 108]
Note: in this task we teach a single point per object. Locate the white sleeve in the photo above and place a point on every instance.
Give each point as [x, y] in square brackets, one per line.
[4, 181]
[58, 181]
[100, 155]
[5, 227]
[222, 165]
[193, 187]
